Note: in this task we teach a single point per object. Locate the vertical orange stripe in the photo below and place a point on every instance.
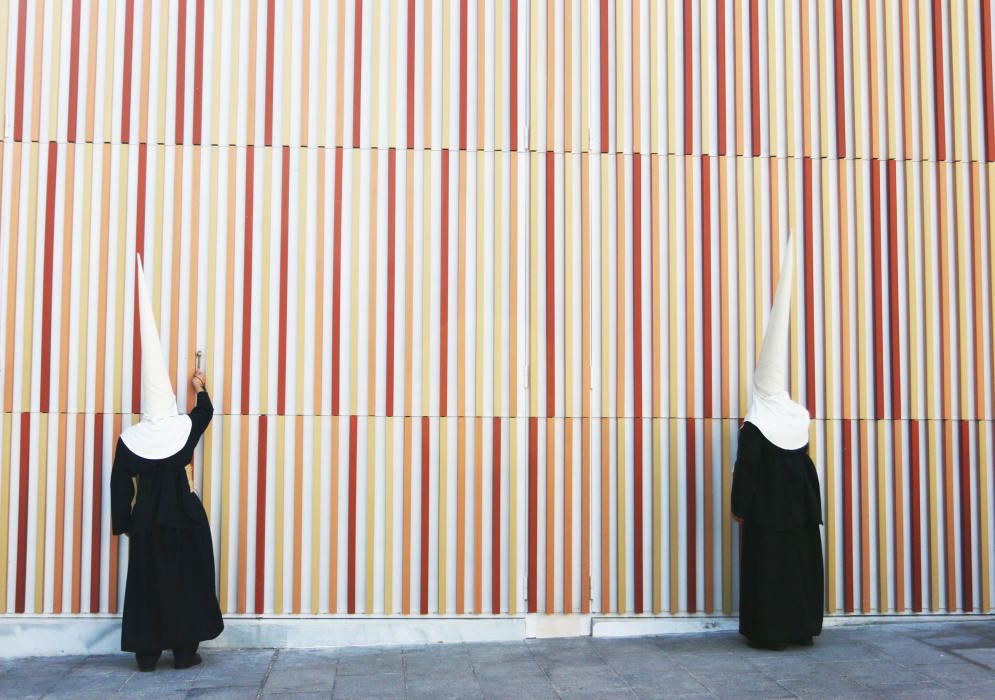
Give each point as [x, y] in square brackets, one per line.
[568, 511]
[81, 425]
[478, 515]
[406, 522]
[243, 515]
[550, 515]
[460, 514]
[605, 516]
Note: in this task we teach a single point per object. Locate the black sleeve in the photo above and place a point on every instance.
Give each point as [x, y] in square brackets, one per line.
[122, 491]
[201, 415]
[743, 479]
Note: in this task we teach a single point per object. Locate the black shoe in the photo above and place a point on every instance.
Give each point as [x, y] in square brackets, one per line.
[187, 663]
[146, 669]
[766, 646]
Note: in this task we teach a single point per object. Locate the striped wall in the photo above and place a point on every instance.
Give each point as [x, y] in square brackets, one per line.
[480, 286]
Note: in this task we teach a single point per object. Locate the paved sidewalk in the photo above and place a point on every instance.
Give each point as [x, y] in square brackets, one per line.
[930, 660]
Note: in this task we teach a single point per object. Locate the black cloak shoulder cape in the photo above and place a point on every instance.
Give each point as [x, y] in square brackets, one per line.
[169, 600]
[776, 493]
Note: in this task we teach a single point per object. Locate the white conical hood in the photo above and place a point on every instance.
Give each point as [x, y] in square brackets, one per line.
[781, 420]
[162, 431]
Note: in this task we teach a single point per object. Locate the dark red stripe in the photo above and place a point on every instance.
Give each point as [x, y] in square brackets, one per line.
[809, 262]
[129, 42]
[357, 67]
[351, 564]
[268, 118]
[986, 64]
[198, 73]
[496, 519]
[260, 577]
[22, 29]
[337, 277]
[462, 75]
[603, 39]
[73, 74]
[22, 516]
[838, 30]
[425, 483]
[966, 553]
[894, 337]
[720, 44]
[391, 222]
[96, 505]
[877, 286]
[688, 81]
[281, 371]
[533, 514]
[247, 287]
[136, 336]
[916, 516]
[940, 102]
[46, 291]
[692, 518]
[550, 285]
[848, 524]
[411, 75]
[444, 289]
[755, 76]
[513, 79]
[181, 66]
[637, 362]
[706, 284]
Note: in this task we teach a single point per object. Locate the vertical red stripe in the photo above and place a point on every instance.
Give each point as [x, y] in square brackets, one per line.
[357, 80]
[916, 516]
[848, 524]
[513, 79]
[46, 291]
[351, 563]
[878, 288]
[840, 79]
[893, 297]
[391, 221]
[247, 286]
[550, 285]
[260, 577]
[96, 500]
[425, 484]
[986, 65]
[198, 73]
[692, 517]
[73, 74]
[22, 516]
[603, 39]
[444, 289]
[706, 284]
[689, 80]
[411, 76]
[462, 75]
[940, 102]
[637, 362]
[533, 592]
[22, 29]
[136, 337]
[129, 42]
[281, 371]
[337, 279]
[755, 76]
[720, 44]
[181, 66]
[270, 30]
[966, 553]
[809, 262]
[496, 519]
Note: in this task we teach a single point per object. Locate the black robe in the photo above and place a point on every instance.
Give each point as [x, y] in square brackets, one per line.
[776, 493]
[170, 599]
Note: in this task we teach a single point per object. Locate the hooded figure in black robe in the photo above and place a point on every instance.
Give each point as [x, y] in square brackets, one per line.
[170, 600]
[775, 494]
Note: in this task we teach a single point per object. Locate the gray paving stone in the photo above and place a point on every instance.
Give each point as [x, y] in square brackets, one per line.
[300, 680]
[314, 695]
[664, 684]
[958, 674]
[435, 665]
[517, 688]
[226, 693]
[442, 688]
[367, 662]
[238, 667]
[984, 656]
[384, 685]
[525, 669]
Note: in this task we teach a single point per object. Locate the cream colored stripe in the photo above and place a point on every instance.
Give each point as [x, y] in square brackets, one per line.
[316, 491]
[323, 34]
[569, 270]
[512, 517]
[443, 512]
[85, 271]
[498, 274]
[300, 313]
[6, 458]
[478, 321]
[371, 510]
[34, 235]
[388, 550]
[41, 505]
[223, 596]
[265, 257]
[278, 497]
